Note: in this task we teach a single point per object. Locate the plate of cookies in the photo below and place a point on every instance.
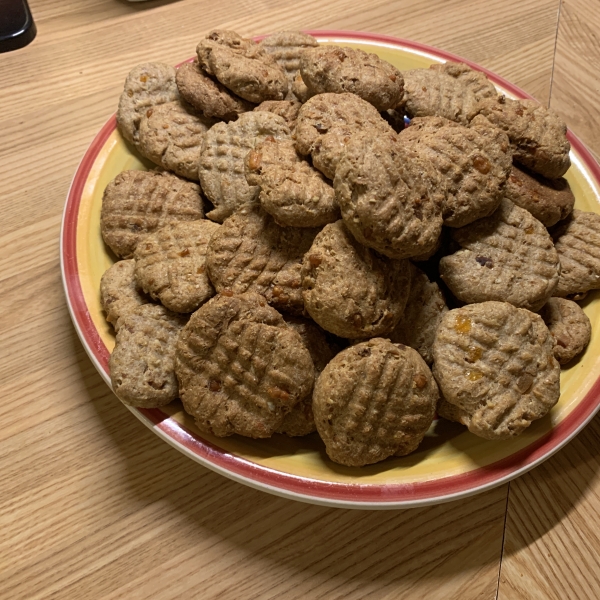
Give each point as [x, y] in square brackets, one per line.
[340, 267]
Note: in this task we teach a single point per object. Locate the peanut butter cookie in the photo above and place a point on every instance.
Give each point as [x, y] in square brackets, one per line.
[372, 401]
[142, 365]
[349, 290]
[336, 69]
[136, 203]
[495, 363]
[170, 264]
[294, 193]
[241, 368]
[221, 167]
[508, 257]
[389, 196]
[251, 253]
[537, 134]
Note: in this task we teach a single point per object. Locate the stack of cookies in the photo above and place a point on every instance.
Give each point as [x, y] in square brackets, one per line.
[301, 260]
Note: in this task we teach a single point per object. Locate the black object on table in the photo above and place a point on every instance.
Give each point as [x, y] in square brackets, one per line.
[17, 28]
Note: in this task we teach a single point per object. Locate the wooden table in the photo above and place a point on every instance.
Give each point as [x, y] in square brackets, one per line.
[92, 504]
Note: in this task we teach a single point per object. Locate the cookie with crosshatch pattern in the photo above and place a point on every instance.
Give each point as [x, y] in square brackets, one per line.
[221, 167]
[372, 401]
[136, 203]
[450, 90]
[495, 363]
[242, 66]
[142, 364]
[577, 241]
[350, 290]
[338, 69]
[251, 253]
[241, 368]
[171, 136]
[508, 256]
[170, 264]
[147, 85]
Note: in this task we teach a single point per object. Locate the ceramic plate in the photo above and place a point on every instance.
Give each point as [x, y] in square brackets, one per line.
[451, 463]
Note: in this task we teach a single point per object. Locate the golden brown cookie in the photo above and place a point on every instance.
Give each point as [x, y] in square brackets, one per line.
[336, 69]
[294, 193]
[208, 95]
[147, 85]
[577, 241]
[508, 256]
[171, 136]
[495, 363]
[449, 90]
[374, 400]
[136, 203]
[570, 327]
[221, 167]
[242, 66]
[251, 253]
[119, 291]
[548, 200]
[424, 310]
[142, 365]
[170, 264]
[537, 134]
[473, 163]
[327, 121]
[349, 290]
[389, 196]
[241, 368]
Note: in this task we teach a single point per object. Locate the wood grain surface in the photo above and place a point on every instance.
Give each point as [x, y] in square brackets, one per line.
[92, 504]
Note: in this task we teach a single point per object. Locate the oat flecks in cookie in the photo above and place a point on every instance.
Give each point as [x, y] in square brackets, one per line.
[147, 85]
[548, 200]
[300, 420]
[508, 257]
[424, 310]
[142, 365]
[208, 95]
[450, 90]
[221, 167]
[119, 292]
[495, 363]
[171, 136]
[242, 66]
[374, 400]
[577, 241]
[389, 196]
[136, 203]
[336, 69]
[538, 135]
[170, 265]
[241, 368]
[570, 327]
[473, 163]
[349, 290]
[327, 121]
[294, 193]
[250, 252]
